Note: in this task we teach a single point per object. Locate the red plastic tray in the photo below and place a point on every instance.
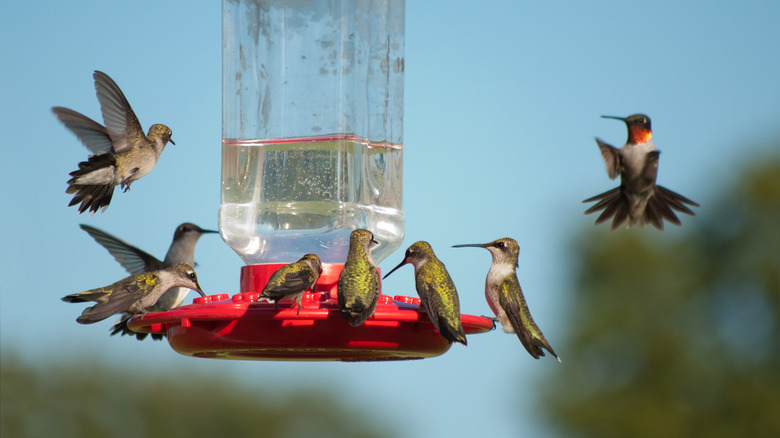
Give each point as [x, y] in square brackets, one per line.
[241, 327]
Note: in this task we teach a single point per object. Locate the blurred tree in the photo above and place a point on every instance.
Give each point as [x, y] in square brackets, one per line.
[89, 400]
[678, 334]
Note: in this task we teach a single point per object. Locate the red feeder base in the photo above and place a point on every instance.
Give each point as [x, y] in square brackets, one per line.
[241, 327]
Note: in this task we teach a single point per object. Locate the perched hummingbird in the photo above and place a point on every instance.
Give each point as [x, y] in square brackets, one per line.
[638, 200]
[136, 261]
[291, 281]
[505, 297]
[359, 283]
[122, 153]
[133, 294]
[436, 289]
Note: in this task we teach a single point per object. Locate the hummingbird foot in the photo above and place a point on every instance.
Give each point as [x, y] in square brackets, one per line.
[492, 319]
[125, 185]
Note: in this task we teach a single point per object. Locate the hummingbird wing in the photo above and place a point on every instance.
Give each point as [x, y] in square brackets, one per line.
[134, 260]
[91, 133]
[440, 300]
[359, 287]
[100, 295]
[121, 122]
[286, 282]
[650, 170]
[124, 295]
[511, 299]
[611, 157]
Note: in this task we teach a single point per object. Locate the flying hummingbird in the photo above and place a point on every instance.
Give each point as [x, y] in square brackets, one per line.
[133, 294]
[122, 153]
[136, 261]
[505, 297]
[638, 200]
[359, 284]
[292, 280]
[436, 289]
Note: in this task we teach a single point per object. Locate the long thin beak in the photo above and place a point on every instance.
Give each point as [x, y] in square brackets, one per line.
[171, 140]
[393, 270]
[208, 231]
[472, 245]
[199, 291]
[614, 117]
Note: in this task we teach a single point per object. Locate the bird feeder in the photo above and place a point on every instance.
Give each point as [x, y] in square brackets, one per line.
[312, 149]
[243, 327]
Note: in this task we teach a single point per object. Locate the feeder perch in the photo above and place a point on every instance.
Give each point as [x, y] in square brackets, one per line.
[243, 327]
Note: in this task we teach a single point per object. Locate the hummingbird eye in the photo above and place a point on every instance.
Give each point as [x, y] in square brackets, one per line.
[500, 245]
[191, 275]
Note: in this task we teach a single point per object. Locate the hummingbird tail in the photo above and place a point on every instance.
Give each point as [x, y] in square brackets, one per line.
[452, 334]
[358, 313]
[92, 184]
[615, 207]
[662, 204]
[120, 327]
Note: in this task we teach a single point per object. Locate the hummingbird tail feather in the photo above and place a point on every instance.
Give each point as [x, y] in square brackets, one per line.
[120, 327]
[675, 200]
[92, 183]
[450, 333]
[358, 313]
[528, 342]
[662, 205]
[92, 198]
[615, 207]
[549, 348]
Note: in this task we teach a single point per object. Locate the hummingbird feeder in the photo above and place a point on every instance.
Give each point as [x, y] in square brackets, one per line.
[312, 149]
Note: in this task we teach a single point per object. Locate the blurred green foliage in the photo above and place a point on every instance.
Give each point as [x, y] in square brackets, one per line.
[88, 399]
[678, 334]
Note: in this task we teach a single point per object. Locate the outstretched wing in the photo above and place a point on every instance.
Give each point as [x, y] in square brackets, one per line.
[131, 258]
[611, 157]
[91, 133]
[121, 123]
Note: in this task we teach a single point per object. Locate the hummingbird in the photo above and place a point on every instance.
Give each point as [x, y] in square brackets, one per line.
[134, 294]
[136, 261]
[505, 296]
[122, 153]
[437, 291]
[638, 200]
[359, 284]
[292, 280]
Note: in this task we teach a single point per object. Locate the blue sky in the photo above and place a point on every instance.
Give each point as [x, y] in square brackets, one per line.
[502, 101]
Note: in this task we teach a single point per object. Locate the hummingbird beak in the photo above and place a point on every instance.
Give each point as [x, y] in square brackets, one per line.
[208, 231]
[470, 245]
[198, 290]
[614, 117]
[171, 140]
[393, 270]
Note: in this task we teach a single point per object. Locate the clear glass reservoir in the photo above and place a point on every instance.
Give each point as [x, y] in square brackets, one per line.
[312, 117]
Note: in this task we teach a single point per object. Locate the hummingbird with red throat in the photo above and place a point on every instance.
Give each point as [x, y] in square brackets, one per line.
[638, 200]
